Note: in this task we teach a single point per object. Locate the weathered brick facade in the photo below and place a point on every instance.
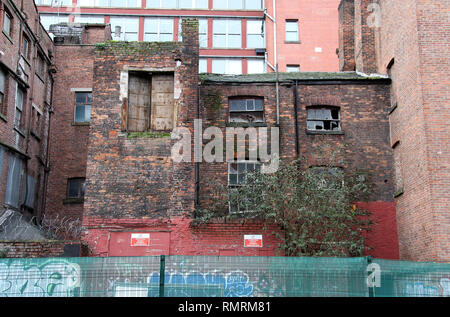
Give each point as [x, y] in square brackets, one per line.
[68, 138]
[26, 59]
[47, 249]
[365, 133]
[134, 186]
[411, 46]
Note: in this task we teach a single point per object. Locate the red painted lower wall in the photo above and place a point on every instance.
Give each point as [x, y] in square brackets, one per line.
[112, 237]
[383, 238]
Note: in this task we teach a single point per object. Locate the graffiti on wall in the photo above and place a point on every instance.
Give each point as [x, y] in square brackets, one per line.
[425, 289]
[232, 284]
[51, 278]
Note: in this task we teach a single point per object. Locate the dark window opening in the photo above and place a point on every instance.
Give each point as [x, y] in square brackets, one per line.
[247, 110]
[76, 188]
[40, 68]
[324, 119]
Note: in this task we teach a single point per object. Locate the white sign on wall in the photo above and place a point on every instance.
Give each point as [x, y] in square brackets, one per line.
[140, 239]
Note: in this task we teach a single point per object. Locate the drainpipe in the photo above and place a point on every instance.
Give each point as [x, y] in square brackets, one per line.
[197, 164]
[297, 141]
[47, 150]
[275, 58]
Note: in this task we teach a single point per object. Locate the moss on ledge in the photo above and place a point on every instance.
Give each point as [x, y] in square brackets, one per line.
[148, 135]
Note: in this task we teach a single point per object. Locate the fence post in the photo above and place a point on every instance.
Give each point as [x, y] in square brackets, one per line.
[162, 270]
[370, 289]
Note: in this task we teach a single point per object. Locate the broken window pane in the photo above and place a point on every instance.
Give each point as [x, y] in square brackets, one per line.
[247, 110]
[323, 119]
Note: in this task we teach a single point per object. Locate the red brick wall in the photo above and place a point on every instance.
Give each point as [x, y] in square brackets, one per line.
[347, 35]
[135, 178]
[32, 142]
[213, 239]
[32, 249]
[365, 133]
[68, 149]
[413, 41]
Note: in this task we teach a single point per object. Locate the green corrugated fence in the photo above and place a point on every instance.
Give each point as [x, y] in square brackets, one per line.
[207, 276]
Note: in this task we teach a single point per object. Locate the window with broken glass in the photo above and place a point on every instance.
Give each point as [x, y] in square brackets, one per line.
[324, 119]
[246, 110]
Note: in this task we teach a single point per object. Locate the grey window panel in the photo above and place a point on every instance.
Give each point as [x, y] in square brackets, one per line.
[2, 155]
[13, 181]
[31, 184]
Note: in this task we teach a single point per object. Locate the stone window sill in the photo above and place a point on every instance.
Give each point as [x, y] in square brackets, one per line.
[310, 132]
[75, 124]
[68, 201]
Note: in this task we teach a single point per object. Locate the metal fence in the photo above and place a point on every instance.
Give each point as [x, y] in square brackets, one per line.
[203, 276]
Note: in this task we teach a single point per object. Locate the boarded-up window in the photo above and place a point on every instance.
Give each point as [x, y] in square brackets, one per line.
[150, 102]
[162, 102]
[139, 102]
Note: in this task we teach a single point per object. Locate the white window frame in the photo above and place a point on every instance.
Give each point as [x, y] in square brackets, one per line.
[228, 5]
[292, 68]
[228, 65]
[177, 5]
[158, 30]
[261, 33]
[227, 33]
[49, 19]
[129, 25]
[89, 18]
[288, 31]
[203, 65]
[99, 3]
[55, 3]
[262, 67]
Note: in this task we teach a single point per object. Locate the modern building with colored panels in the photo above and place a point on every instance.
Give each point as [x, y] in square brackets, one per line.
[236, 37]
